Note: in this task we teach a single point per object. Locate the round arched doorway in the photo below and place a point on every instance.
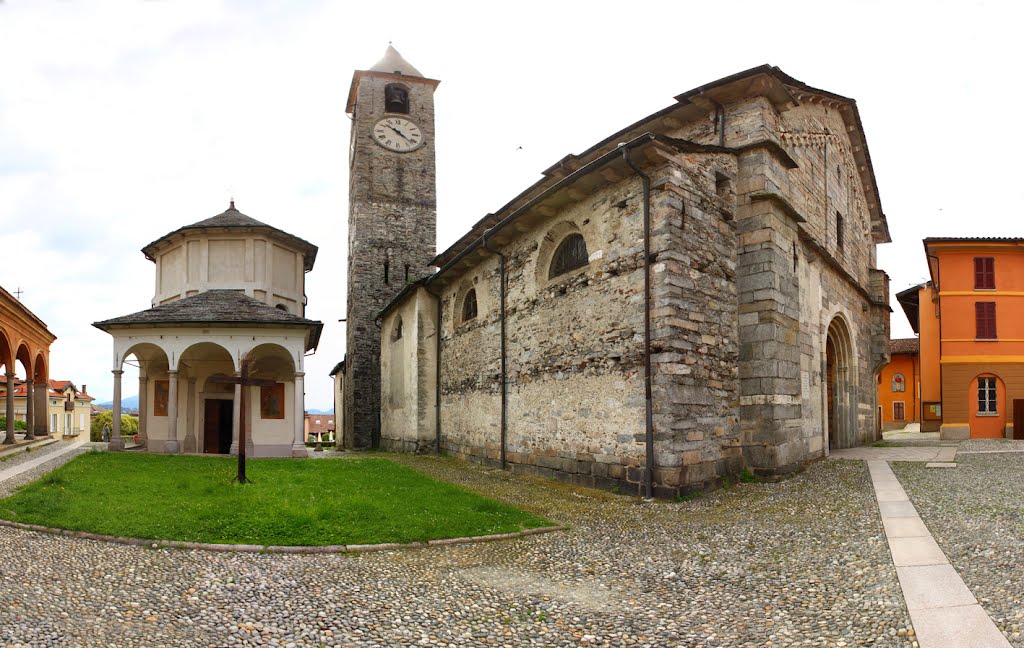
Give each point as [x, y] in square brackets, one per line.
[840, 373]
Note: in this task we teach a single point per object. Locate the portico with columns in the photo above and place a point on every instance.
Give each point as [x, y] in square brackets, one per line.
[24, 342]
[230, 300]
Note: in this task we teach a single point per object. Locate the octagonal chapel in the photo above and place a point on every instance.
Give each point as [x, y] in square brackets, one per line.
[229, 303]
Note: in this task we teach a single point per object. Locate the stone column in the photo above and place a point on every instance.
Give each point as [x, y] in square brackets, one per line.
[116, 443]
[299, 445]
[30, 419]
[235, 413]
[143, 408]
[190, 416]
[10, 409]
[41, 416]
[171, 445]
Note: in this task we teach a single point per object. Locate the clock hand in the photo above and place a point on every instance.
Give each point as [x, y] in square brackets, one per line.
[401, 134]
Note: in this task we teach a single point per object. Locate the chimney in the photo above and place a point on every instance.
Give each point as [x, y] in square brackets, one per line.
[84, 390]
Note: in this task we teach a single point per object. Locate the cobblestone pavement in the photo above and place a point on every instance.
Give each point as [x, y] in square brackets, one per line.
[798, 563]
[976, 514]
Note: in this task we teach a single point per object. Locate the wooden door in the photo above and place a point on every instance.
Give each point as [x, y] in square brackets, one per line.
[211, 427]
[1018, 418]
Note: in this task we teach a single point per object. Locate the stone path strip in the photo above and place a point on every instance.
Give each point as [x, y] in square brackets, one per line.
[943, 610]
[48, 456]
[292, 549]
[907, 453]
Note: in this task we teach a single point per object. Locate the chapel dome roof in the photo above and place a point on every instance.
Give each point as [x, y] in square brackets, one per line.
[232, 219]
[393, 63]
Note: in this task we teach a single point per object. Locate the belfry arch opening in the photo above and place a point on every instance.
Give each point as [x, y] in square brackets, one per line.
[840, 372]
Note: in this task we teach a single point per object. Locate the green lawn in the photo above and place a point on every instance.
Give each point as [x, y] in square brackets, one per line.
[289, 502]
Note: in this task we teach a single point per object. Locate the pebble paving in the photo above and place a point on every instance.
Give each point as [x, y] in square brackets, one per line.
[802, 562]
[976, 514]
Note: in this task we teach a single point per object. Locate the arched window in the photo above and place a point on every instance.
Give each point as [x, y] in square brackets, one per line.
[469, 305]
[281, 307]
[899, 383]
[396, 332]
[396, 98]
[570, 255]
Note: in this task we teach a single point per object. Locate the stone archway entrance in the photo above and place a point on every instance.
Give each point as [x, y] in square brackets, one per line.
[840, 402]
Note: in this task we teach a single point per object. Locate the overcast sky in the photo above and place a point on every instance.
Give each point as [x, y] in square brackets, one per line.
[122, 121]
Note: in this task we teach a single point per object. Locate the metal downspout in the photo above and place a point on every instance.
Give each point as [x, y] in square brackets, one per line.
[938, 311]
[504, 375]
[648, 413]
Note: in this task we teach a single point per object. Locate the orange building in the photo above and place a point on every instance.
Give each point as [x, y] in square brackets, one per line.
[970, 318]
[899, 386]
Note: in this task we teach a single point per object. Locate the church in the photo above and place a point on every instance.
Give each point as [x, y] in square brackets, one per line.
[693, 296]
[224, 342]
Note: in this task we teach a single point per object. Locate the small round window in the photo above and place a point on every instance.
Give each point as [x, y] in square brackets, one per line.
[570, 255]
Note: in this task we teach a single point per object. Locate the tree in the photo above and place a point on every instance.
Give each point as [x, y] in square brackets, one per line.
[129, 425]
[18, 425]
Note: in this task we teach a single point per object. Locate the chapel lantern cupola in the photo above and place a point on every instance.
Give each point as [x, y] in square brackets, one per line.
[232, 251]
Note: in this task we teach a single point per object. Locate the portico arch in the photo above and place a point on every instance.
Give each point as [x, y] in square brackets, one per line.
[196, 364]
[40, 384]
[7, 355]
[24, 357]
[840, 385]
[154, 393]
[276, 411]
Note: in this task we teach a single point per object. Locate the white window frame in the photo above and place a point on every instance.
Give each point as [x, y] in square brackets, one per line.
[988, 396]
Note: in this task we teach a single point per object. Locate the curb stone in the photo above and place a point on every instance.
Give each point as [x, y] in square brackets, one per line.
[275, 549]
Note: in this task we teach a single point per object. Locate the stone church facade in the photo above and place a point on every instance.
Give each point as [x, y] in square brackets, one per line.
[694, 295]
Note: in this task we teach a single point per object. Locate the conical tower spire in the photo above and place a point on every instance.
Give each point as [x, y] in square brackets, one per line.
[393, 63]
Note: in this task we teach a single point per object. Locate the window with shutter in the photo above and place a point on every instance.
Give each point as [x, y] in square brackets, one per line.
[984, 273]
[899, 411]
[985, 320]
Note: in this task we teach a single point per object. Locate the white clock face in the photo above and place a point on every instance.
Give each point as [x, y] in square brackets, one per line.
[397, 134]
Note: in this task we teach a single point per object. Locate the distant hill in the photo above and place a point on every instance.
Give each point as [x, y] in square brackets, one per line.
[320, 411]
[132, 402]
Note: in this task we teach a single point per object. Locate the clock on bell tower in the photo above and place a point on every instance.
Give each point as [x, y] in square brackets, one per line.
[392, 220]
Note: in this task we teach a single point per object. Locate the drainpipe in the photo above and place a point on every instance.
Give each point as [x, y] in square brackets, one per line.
[504, 375]
[648, 414]
[938, 310]
[437, 372]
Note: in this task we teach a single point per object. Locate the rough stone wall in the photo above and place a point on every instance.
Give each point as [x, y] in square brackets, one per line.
[575, 342]
[694, 324]
[392, 223]
[794, 278]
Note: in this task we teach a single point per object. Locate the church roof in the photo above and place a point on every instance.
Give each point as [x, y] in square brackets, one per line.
[766, 80]
[234, 219]
[216, 307]
[393, 63]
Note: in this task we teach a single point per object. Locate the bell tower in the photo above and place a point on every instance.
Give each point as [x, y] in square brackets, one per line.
[392, 219]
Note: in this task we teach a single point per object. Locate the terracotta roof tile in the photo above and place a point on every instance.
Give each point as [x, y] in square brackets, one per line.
[904, 345]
